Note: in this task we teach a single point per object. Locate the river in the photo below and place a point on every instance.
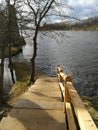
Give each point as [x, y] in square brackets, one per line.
[77, 53]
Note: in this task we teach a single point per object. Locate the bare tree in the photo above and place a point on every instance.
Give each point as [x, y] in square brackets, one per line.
[39, 10]
[34, 13]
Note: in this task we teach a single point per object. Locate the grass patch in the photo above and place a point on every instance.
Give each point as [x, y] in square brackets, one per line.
[92, 106]
[22, 71]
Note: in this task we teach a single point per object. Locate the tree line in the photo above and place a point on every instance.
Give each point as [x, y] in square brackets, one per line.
[69, 25]
[56, 26]
[90, 22]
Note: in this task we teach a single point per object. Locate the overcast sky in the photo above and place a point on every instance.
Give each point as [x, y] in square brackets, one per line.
[84, 8]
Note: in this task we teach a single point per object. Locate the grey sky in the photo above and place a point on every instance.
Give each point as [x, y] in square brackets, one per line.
[84, 8]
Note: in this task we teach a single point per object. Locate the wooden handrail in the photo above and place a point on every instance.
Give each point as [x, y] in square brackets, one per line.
[73, 105]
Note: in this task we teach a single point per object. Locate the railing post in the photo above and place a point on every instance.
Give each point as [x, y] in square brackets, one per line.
[72, 102]
[58, 73]
[67, 97]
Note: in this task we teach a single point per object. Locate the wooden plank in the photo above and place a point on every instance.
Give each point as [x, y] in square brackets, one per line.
[70, 117]
[85, 120]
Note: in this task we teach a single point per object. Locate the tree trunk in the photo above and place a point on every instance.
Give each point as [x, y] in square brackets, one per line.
[12, 75]
[32, 79]
[33, 70]
[11, 65]
[2, 76]
[9, 40]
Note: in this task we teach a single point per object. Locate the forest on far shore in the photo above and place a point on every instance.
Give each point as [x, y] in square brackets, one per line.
[87, 24]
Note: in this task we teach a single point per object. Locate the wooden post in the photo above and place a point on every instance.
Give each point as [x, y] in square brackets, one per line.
[84, 119]
[59, 70]
[67, 79]
[67, 97]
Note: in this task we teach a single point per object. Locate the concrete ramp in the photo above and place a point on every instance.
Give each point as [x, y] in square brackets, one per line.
[40, 108]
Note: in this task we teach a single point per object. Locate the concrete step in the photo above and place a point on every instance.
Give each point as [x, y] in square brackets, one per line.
[28, 119]
[27, 104]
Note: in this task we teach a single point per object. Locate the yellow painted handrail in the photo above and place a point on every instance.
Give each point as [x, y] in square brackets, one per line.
[73, 105]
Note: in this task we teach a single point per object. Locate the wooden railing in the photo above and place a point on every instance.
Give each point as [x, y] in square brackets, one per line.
[78, 118]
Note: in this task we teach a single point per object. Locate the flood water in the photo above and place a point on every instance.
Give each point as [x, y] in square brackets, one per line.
[77, 54]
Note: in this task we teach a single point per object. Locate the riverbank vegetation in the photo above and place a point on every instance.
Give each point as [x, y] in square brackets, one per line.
[67, 27]
[92, 106]
[86, 24]
[22, 71]
[14, 51]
